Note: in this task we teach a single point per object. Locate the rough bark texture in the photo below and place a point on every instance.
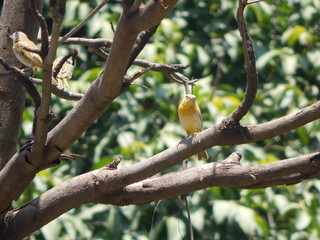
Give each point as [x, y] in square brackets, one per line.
[15, 16]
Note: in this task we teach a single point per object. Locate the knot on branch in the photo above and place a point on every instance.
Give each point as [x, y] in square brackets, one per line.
[234, 127]
[234, 159]
[114, 164]
[315, 160]
[131, 7]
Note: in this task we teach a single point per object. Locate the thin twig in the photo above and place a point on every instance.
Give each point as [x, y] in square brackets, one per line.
[5, 73]
[157, 67]
[185, 199]
[256, 1]
[112, 27]
[44, 29]
[181, 79]
[83, 22]
[100, 52]
[160, 67]
[61, 93]
[128, 80]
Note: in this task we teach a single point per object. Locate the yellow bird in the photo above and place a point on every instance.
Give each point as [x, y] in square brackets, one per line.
[27, 58]
[64, 74]
[190, 119]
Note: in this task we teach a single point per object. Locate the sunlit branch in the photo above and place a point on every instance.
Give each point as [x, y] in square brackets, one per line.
[83, 22]
[250, 65]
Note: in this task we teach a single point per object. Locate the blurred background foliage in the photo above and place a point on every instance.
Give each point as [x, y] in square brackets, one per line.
[141, 123]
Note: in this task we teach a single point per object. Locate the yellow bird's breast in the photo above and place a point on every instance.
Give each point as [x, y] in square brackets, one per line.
[190, 118]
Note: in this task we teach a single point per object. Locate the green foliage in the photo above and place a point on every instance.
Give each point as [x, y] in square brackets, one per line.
[141, 123]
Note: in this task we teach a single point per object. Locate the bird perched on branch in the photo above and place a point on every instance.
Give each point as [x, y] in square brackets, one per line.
[21, 44]
[190, 119]
[64, 74]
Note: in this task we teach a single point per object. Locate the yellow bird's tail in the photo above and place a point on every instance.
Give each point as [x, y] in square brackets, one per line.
[203, 155]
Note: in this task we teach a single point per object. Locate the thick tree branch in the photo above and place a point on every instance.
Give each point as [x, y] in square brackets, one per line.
[215, 136]
[92, 186]
[14, 17]
[149, 15]
[227, 173]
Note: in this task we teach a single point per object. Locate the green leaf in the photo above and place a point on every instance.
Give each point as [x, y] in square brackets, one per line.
[303, 135]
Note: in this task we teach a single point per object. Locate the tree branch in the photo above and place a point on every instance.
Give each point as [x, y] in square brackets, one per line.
[141, 42]
[89, 42]
[160, 67]
[36, 156]
[157, 67]
[95, 187]
[104, 89]
[15, 16]
[215, 136]
[43, 27]
[227, 173]
[251, 70]
[83, 22]
[61, 93]
[25, 81]
[107, 86]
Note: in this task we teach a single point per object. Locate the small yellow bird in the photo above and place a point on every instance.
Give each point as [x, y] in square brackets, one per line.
[27, 58]
[64, 74]
[190, 119]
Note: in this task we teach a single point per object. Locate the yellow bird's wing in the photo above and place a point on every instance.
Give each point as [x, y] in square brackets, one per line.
[34, 56]
[37, 59]
[199, 115]
[29, 59]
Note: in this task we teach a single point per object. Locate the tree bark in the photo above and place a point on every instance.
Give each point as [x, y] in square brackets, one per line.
[16, 16]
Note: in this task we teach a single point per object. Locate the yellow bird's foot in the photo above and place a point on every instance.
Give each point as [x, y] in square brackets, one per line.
[65, 84]
[26, 70]
[183, 140]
